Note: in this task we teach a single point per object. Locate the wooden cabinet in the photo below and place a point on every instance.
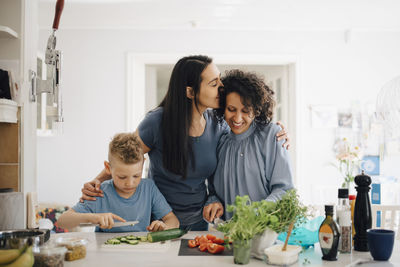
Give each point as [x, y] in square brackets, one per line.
[18, 48]
[10, 56]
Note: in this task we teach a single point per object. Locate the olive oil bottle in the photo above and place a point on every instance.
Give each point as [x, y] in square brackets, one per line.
[329, 235]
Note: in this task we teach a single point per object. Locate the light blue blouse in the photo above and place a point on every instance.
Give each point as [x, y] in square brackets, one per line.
[253, 163]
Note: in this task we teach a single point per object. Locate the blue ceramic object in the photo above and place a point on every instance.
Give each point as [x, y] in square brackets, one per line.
[380, 242]
[305, 234]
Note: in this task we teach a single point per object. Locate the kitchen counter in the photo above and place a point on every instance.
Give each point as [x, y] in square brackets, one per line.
[168, 255]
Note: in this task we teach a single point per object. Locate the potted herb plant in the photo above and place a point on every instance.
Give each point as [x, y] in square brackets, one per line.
[275, 218]
[241, 228]
[290, 212]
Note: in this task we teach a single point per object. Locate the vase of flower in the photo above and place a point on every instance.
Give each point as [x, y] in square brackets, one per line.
[348, 161]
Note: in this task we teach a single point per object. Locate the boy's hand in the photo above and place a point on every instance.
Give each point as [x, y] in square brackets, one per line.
[105, 220]
[91, 190]
[156, 226]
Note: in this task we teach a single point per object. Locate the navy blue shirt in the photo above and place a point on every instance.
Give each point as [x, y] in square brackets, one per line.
[186, 197]
[147, 201]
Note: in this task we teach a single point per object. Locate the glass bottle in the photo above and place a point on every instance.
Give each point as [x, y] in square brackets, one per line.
[329, 235]
[343, 212]
[352, 200]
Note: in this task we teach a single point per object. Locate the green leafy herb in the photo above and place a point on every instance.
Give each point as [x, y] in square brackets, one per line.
[252, 218]
[244, 223]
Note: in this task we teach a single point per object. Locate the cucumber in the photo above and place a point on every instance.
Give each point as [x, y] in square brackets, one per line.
[165, 235]
[142, 238]
[131, 237]
[113, 241]
[133, 242]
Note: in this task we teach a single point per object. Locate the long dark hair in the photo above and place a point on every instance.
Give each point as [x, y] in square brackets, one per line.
[177, 114]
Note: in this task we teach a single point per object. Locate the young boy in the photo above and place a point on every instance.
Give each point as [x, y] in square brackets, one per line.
[126, 196]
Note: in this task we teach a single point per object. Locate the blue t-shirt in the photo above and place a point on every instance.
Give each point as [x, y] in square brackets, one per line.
[147, 202]
[186, 196]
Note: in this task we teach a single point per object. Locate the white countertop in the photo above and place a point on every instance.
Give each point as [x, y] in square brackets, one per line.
[98, 256]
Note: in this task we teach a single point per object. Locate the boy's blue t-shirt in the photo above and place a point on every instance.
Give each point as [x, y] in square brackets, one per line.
[147, 202]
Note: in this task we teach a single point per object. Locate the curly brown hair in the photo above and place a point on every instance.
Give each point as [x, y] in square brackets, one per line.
[125, 147]
[254, 93]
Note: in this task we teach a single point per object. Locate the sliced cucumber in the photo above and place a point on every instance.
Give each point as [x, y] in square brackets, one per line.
[133, 242]
[113, 241]
[131, 237]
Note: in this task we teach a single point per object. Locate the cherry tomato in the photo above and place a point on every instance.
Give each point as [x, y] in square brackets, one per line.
[197, 239]
[218, 241]
[203, 239]
[203, 246]
[211, 237]
[192, 243]
[215, 248]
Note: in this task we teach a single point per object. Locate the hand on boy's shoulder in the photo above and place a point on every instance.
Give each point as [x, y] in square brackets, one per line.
[91, 190]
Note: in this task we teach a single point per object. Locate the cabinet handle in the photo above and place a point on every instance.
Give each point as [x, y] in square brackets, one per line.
[32, 78]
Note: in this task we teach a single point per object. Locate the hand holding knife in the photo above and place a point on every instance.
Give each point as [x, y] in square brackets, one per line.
[117, 224]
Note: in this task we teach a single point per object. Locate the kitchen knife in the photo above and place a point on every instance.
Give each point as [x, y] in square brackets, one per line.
[116, 224]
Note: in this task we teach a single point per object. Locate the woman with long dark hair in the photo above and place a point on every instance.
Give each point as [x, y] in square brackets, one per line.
[181, 137]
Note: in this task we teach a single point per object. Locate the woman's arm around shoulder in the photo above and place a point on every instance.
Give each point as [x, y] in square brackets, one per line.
[278, 165]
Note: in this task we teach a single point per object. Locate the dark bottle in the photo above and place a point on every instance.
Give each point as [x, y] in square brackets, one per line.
[362, 212]
[329, 235]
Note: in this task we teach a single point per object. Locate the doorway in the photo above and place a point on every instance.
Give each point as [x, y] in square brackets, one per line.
[148, 77]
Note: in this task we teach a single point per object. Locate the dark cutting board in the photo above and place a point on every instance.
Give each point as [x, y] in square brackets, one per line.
[184, 250]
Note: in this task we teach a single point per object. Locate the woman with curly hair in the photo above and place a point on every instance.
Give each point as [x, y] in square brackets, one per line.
[250, 159]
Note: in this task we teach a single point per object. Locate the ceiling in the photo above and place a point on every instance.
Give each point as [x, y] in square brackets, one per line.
[269, 15]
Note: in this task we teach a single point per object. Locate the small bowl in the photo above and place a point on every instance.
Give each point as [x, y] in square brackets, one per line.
[49, 256]
[275, 255]
[76, 247]
[380, 243]
[11, 239]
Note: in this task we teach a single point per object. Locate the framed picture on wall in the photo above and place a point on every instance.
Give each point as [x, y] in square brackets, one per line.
[371, 165]
[324, 116]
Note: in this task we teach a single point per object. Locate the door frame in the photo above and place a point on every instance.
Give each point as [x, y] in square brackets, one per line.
[136, 97]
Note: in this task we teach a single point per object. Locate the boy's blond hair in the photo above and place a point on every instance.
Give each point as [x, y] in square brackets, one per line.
[126, 148]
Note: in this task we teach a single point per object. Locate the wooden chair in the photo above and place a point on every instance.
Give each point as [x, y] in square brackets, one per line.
[390, 217]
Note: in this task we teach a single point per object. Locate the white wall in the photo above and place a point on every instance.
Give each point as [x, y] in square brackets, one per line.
[94, 75]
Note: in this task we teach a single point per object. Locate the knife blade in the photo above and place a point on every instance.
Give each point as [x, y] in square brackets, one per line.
[116, 224]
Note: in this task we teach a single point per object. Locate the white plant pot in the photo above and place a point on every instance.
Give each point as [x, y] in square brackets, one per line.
[261, 242]
[276, 256]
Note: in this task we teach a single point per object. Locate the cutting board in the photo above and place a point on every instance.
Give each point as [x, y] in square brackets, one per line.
[185, 250]
[142, 247]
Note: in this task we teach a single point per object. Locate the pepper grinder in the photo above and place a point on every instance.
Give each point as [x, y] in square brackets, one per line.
[362, 212]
